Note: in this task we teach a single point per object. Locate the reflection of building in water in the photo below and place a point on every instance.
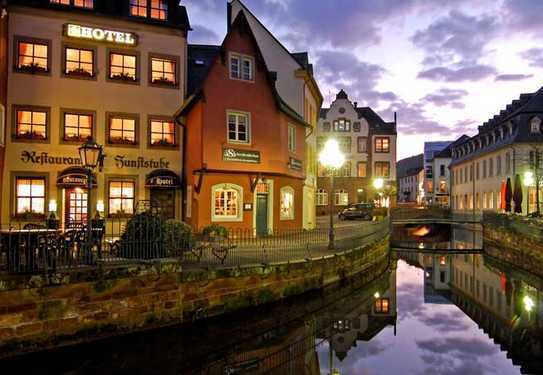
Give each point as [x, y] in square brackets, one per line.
[466, 236]
[361, 319]
[507, 308]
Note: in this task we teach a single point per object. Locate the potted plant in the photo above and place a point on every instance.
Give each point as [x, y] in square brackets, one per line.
[123, 77]
[163, 81]
[79, 72]
[32, 68]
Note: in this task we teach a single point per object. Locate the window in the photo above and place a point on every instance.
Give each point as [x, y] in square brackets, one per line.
[123, 67]
[163, 71]
[241, 67]
[362, 144]
[227, 202]
[238, 127]
[291, 138]
[490, 167]
[79, 62]
[356, 126]
[326, 127]
[498, 165]
[32, 56]
[535, 125]
[162, 133]
[287, 203]
[344, 171]
[362, 169]
[61, 2]
[138, 8]
[341, 198]
[478, 171]
[78, 3]
[159, 9]
[121, 197]
[342, 125]
[382, 306]
[442, 170]
[322, 197]
[31, 124]
[508, 163]
[30, 195]
[122, 130]
[344, 144]
[382, 169]
[382, 144]
[484, 169]
[77, 127]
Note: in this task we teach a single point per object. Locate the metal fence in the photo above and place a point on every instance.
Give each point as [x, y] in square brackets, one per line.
[35, 248]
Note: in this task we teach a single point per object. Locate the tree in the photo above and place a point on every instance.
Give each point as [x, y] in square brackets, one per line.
[517, 195]
[508, 195]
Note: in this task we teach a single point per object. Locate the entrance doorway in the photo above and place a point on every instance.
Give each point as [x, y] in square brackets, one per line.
[76, 206]
[262, 214]
[163, 200]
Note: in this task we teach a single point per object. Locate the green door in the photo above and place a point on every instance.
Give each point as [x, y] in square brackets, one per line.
[262, 214]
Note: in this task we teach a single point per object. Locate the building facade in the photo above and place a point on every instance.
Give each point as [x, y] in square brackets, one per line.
[410, 179]
[508, 145]
[245, 147]
[112, 71]
[4, 42]
[430, 150]
[369, 145]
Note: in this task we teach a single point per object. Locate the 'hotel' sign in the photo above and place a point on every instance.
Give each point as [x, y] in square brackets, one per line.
[100, 35]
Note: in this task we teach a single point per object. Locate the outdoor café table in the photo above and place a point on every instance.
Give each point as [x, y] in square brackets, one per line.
[13, 239]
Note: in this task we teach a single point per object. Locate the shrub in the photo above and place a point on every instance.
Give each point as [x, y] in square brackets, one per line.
[215, 230]
[143, 237]
[178, 236]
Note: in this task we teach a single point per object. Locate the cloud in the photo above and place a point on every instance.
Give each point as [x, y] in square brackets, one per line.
[524, 15]
[413, 120]
[446, 97]
[512, 77]
[474, 72]
[534, 56]
[452, 321]
[202, 35]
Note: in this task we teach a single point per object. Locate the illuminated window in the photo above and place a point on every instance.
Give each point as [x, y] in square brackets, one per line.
[238, 127]
[77, 127]
[226, 202]
[163, 71]
[121, 197]
[138, 8]
[32, 57]
[291, 138]
[30, 195]
[241, 67]
[322, 197]
[341, 198]
[79, 62]
[78, 3]
[362, 169]
[344, 171]
[382, 169]
[122, 130]
[31, 124]
[287, 203]
[122, 67]
[159, 9]
[382, 144]
[162, 133]
[535, 125]
[342, 125]
[382, 306]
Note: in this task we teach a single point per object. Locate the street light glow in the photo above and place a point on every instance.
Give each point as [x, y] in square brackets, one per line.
[529, 178]
[331, 156]
[378, 183]
[528, 303]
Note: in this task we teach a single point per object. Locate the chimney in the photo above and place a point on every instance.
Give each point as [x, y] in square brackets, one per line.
[395, 117]
[356, 104]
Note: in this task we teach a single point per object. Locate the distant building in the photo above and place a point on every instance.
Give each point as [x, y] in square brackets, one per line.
[410, 178]
[509, 144]
[431, 149]
[369, 145]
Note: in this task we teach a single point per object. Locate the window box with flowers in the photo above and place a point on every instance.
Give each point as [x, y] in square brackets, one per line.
[123, 77]
[32, 68]
[80, 72]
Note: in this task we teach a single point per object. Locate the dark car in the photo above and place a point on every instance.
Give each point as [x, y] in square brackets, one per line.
[357, 211]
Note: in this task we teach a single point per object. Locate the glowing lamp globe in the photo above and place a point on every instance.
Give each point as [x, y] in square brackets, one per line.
[378, 183]
[331, 156]
[529, 179]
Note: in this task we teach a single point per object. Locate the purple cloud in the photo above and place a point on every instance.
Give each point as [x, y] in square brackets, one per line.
[474, 72]
[203, 35]
[446, 97]
[524, 15]
[534, 56]
[512, 77]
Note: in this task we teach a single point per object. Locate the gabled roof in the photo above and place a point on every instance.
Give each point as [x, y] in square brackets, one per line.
[447, 151]
[410, 166]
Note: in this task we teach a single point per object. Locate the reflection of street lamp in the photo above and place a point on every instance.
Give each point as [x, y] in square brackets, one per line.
[528, 303]
[91, 155]
[332, 159]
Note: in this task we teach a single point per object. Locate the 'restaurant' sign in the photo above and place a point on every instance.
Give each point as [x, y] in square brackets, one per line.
[295, 164]
[121, 161]
[242, 156]
[100, 35]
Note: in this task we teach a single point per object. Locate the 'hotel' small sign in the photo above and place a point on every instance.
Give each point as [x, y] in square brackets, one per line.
[100, 35]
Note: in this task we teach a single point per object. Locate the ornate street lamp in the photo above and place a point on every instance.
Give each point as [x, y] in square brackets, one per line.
[331, 158]
[91, 156]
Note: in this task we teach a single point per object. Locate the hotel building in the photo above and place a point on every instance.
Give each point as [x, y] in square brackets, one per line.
[110, 70]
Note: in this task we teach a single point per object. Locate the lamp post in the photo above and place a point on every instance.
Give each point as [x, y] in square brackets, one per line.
[331, 158]
[91, 155]
[378, 185]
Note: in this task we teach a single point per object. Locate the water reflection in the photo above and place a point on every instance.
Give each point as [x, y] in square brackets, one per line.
[438, 237]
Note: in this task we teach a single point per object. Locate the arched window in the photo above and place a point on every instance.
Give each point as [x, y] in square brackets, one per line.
[322, 197]
[535, 125]
[287, 203]
[226, 202]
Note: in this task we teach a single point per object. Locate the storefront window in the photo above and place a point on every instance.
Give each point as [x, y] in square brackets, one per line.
[162, 133]
[227, 202]
[121, 197]
[122, 67]
[287, 203]
[79, 62]
[31, 125]
[122, 130]
[30, 195]
[163, 71]
[32, 57]
[77, 127]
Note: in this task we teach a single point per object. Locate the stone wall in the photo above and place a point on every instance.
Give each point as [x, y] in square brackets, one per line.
[515, 239]
[38, 312]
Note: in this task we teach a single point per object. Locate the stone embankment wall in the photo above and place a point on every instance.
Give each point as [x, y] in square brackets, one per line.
[41, 311]
[515, 239]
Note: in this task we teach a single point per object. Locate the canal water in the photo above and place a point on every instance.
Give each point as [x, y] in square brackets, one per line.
[436, 305]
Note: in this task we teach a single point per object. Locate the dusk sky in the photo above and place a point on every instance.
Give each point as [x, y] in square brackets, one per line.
[445, 66]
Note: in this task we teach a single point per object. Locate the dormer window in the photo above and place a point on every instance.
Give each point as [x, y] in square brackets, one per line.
[535, 125]
[89, 4]
[155, 9]
[241, 67]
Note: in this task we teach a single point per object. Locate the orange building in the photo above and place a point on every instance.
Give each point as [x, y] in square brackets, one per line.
[3, 88]
[245, 146]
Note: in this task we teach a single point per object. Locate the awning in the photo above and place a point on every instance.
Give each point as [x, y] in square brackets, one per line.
[163, 179]
[74, 177]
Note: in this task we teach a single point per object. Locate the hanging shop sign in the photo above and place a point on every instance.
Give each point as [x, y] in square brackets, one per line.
[100, 35]
[74, 177]
[242, 156]
[295, 164]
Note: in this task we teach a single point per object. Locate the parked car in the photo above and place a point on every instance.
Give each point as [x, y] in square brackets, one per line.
[357, 211]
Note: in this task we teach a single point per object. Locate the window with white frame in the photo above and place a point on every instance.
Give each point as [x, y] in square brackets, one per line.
[238, 127]
[341, 197]
[291, 138]
[287, 203]
[227, 202]
[241, 67]
[322, 197]
[535, 125]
